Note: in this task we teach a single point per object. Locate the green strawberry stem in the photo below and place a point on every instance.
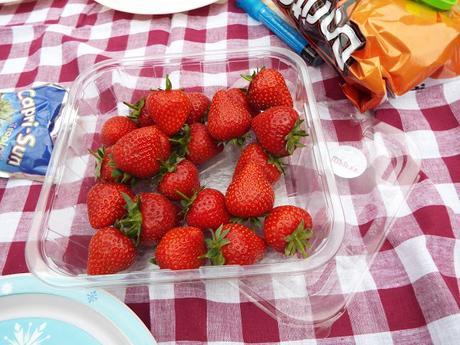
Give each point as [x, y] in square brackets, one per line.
[255, 222]
[215, 243]
[277, 163]
[186, 201]
[131, 224]
[136, 109]
[168, 83]
[99, 155]
[239, 141]
[181, 140]
[249, 77]
[298, 240]
[294, 136]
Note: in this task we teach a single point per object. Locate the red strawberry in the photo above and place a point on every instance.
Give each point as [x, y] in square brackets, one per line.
[239, 96]
[278, 130]
[249, 194]
[288, 229]
[105, 203]
[115, 128]
[149, 217]
[181, 179]
[196, 143]
[227, 119]
[206, 209]
[235, 244]
[109, 252]
[139, 113]
[200, 104]
[139, 153]
[272, 167]
[181, 248]
[268, 89]
[105, 167]
[168, 108]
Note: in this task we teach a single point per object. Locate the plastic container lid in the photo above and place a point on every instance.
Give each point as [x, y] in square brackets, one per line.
[353, 186]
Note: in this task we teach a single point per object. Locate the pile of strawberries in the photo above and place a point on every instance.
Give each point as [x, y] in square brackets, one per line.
[164, 140]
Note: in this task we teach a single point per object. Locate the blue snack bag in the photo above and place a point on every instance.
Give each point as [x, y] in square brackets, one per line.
[27, 121]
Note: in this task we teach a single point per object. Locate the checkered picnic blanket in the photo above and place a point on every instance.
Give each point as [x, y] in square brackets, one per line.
[411, 293]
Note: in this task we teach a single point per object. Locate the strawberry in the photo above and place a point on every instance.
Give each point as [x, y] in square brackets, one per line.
[115, 128]
[278, 130]
[105, 203]
[139, 113]
[109, 252]
[181, 178]
[168, 108]
[195, 142]
[272, 167]
[288, 229]
[234, 244]
[239, 96]
[267, 89]
[206, 209]
[227, 119]
[149, 217]
[200, 104]
[249, 194]
[105, 167]
[181, 248]
[139, 152]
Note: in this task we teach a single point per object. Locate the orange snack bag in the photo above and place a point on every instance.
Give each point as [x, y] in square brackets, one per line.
[380, 47]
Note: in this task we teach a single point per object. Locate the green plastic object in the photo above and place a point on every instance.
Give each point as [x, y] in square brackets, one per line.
[444, 5]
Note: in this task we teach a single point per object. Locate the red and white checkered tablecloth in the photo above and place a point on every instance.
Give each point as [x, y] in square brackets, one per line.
[411, 295]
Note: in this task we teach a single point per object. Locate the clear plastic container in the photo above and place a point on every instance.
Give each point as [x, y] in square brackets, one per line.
[368, 175]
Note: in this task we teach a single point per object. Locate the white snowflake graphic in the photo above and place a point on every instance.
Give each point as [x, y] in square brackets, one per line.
[29, 337]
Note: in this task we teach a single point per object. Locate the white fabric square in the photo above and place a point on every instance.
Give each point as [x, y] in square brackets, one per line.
[14, 65]
[223, 291]
[161, 291]
[23, 34]
[350, 270]
[139, 26]
[17, 182]
[415, 258]
[73, 9]
[9, 223]
[383, 338]
[51, 56]
[60, 223]
[101, 31]
[457, 258]
[179, 20]
[445, 331]
[405, 102]
[5, 19]
[175, 47]
[426, 143]
[452, 90]
[38, 15]
[394, 201]
[300, 342]
[449, 196]
[349, 210]
[66, 30]
[218, 21]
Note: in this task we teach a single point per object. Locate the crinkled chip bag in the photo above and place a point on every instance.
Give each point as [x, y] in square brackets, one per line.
[381, 47]
[28, 124]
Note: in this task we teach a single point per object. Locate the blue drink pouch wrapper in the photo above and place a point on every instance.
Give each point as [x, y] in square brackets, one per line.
[28, 123]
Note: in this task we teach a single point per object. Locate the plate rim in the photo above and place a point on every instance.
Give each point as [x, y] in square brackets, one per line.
[109, 306]
[157, 7]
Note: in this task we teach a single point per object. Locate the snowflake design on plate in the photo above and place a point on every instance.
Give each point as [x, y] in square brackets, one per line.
[92, 296]
[35, 336]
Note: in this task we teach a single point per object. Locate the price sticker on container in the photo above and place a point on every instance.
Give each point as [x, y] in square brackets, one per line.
[348, 161]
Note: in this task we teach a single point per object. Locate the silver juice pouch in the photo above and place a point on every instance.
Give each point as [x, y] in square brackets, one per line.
[27, 120]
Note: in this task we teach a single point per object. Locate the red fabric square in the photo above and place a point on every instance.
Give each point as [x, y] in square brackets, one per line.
[257, 325]
[390, 116]
[453, 165]
[15, 261]
[347, 130]
[452, 284]
[27, 78]
[69, 71]
[191, 319]
[401, 308]
[333, 89]
[434, 220]
[32, 197]
[194, 35]
[237, 31]
[342, 327]
[117, 43]
[440, 118]
[142, 310]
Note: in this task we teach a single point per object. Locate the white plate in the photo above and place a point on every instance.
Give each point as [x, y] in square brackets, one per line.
[155, 6]
[32, 313]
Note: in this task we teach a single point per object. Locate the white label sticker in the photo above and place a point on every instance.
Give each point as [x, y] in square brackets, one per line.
[348, 161]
